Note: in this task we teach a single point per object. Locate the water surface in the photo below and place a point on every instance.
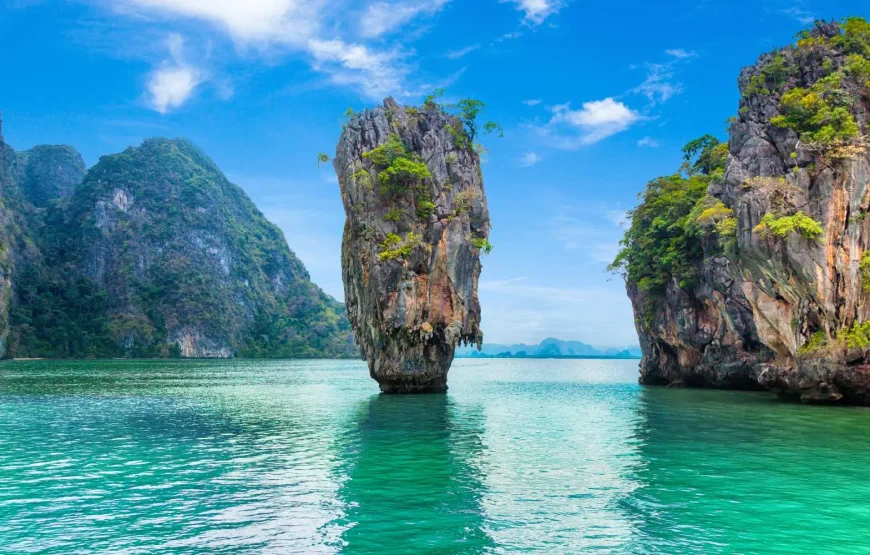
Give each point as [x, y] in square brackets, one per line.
[539, 455]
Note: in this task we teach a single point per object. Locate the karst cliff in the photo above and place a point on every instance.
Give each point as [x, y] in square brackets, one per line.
[750, 267]
[150, 253]
[417, 221]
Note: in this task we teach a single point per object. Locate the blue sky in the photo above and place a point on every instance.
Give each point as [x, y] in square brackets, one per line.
[596, 99]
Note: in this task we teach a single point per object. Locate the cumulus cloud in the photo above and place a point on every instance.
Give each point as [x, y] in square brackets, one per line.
[172, 84]
[595, 121]
[383, 17]
[536, 11]
[528, 159]
[648, 142]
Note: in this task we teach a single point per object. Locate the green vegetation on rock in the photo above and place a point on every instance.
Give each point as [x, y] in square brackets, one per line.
[156, 254]
[398, 168]
[482, 244]
[858, 336]
[782, 226]
[394, 246]
[815, 344]
[663, 241]
[819, 114]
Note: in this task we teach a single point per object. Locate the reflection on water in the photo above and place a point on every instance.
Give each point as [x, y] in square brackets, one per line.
[412, 476]
[520, 456]
[733, 472]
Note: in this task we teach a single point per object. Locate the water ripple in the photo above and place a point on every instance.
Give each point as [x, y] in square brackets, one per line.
[520, 456]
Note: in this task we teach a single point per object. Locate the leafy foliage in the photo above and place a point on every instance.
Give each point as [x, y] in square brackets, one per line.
[858, 336]
[482, 244]
[156, 244]
[772, 77]
[322, 158]
[394, 247]
[714, 214]
[864, 271]
[705, 155]
[664, 239]
[816, 342]
[819, 114]
[398, 168]
[782, 226]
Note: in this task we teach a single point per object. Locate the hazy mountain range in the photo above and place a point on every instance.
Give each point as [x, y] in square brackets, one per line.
[550, 347]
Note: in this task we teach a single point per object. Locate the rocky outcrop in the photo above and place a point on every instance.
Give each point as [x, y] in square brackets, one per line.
[29, 182]
[151, 253]
[779, 311]
[417, 220]
[50, 172]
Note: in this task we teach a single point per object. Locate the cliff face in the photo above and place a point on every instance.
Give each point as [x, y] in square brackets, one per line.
[417, 220]
[29, 181]
[783, 306]
[150, 253]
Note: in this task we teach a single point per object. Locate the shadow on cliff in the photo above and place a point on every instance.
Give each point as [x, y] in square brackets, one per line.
[412, 477]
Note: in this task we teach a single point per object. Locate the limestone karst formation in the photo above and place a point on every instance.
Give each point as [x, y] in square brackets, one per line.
[417, 221]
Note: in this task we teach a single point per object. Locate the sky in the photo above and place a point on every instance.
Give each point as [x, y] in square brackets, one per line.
[596, 99]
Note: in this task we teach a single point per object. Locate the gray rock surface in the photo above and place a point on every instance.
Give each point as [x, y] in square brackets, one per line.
[410, 312]
[744, 324]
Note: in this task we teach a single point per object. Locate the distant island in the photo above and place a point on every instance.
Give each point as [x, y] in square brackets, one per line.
[548, 348]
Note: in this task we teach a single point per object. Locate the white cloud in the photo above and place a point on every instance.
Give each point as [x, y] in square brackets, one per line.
[456, 54]
[383, 17]
[680, 53]
[594, 122]
[532, 102]
[171, 85]
[648, 142]
[253, 21]
[375, 73]
[799, 14]
[536, 11]
[528, 159]
[659, 86]
[306, 28]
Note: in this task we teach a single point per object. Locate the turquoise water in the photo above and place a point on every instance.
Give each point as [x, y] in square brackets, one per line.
[540, 455]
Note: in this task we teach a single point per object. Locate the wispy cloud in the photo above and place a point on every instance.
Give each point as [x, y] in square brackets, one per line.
[680, 53]
[383, 17]
[461, 52]
[375, 73]
[486, 285]
[532, 102]
[172, 84]
[536, 11]
[528, 159]
[595, 121]
[800, 14]
[648, 142]
[659, 86]
[265, 30]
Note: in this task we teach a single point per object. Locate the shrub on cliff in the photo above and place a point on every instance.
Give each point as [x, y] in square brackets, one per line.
[663, 241]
